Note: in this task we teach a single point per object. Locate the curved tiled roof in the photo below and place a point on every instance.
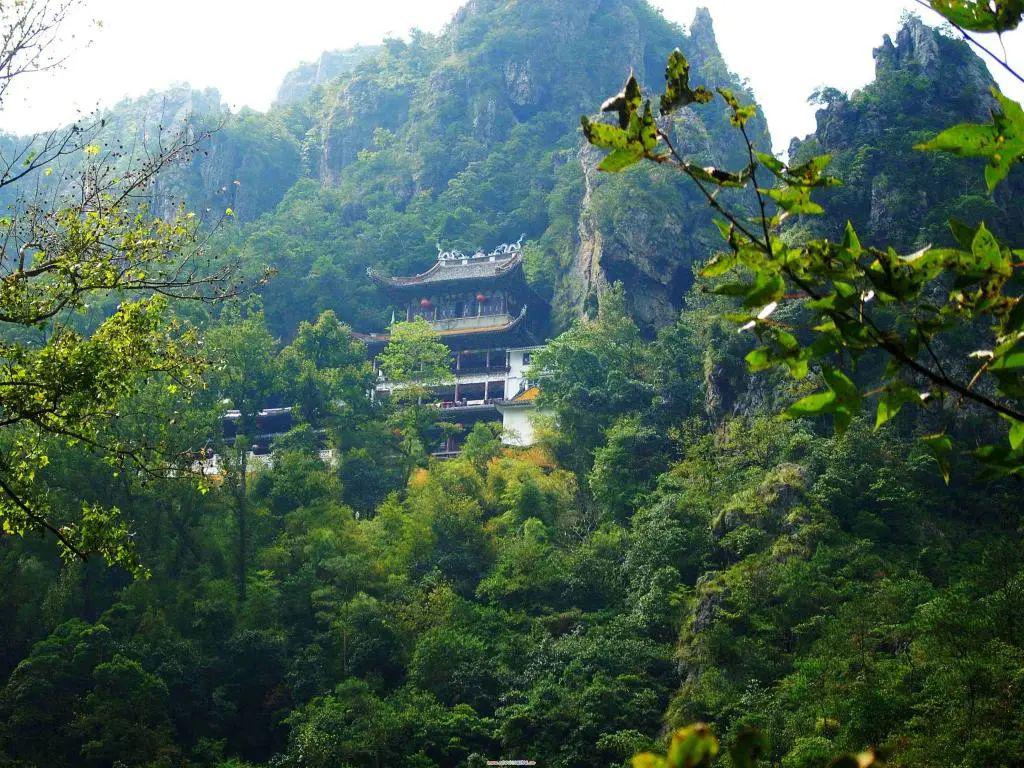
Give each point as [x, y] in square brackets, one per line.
[525, 399]
[471, 268]
[380, 339]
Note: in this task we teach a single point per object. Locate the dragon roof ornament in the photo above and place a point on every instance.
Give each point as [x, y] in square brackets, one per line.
[505, 250]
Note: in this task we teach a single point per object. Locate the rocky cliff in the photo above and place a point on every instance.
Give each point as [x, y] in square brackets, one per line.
[478, 127]
[298, 85]
[470, 138]
[924, 82]
[647, 228]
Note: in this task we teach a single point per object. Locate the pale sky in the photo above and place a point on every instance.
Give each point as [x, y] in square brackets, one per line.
[786, 48]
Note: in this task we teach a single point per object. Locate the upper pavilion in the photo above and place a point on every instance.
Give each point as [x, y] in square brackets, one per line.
[478, 306]
[465, 298]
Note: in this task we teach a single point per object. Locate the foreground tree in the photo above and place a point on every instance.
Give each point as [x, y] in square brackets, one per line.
[244, 372]
[826, 306]
[593, 373]
[414, 360]
[87, 279]
[327, 376]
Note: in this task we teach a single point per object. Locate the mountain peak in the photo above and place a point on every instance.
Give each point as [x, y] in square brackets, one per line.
[300, 82]
[916, 43]
[702, 33]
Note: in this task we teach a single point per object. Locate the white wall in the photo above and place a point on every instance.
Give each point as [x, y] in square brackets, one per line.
[518, 362]
[518, 426]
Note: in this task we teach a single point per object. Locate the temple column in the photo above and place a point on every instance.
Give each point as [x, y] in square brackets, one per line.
[487, 389]
[487, 359]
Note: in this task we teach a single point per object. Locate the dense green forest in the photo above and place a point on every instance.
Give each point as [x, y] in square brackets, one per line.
[689, 541]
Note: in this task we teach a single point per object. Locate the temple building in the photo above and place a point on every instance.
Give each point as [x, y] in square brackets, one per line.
[478, 306]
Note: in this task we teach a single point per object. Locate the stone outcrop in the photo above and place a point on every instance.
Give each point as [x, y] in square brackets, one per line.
[299, 84]
[925, 81]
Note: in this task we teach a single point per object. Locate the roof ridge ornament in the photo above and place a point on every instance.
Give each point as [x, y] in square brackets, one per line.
[509, 249]
[452, 255]
[505, 249]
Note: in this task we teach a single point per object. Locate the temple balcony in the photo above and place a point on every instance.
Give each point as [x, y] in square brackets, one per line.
[471, 323]
[468, 405]
[486, 371]
[493, 374]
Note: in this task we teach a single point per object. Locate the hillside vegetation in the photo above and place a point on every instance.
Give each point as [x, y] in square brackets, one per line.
[671, 551]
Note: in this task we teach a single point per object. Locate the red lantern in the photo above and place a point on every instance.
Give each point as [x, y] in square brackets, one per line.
[425, 303]
[481, 298]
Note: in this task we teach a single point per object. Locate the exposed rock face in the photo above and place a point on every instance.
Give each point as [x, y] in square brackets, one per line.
[586, 277]
[298, 84]
[519, 75]
[923, 50]
[915, 43]
[518, 83]
[647, 229]
[703, 43]
[356, 111]
[894, 195]
[632, 246]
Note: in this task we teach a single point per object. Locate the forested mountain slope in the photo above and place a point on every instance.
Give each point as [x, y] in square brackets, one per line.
[469, 138]
[670, 551]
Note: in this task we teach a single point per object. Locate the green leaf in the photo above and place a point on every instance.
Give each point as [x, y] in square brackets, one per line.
[732, 289]
[895, 396]
[941, 448]
[990, 255]
[619, 160]
[678, 92]
[648, 760]
[718, 265]
[981, 15]
[1016, 434]
[770, 162]
[718, 176]
[1000, 460]
[604, 135]
[963, 233]
[1011, 361]
[626, 102]
[1014, 320]
[851, 242]
[739, 113]
[647, 129]
[1001, 141]
[813, 405]
[795, 200]
[811, 173]
[766, 289]
[841, 384]
[692, 746]
[759, 359]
